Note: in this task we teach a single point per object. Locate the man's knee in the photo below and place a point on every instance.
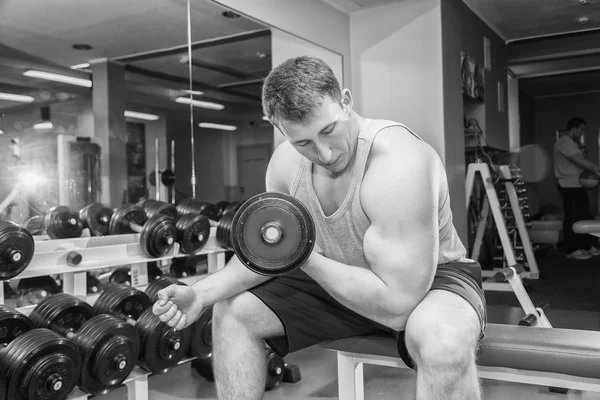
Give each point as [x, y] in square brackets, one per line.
[441, 342]
[245, 313]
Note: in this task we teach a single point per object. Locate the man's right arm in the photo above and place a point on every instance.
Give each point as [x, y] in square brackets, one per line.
[235, 278]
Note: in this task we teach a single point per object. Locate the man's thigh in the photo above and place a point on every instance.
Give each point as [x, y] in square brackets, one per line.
[308, 313]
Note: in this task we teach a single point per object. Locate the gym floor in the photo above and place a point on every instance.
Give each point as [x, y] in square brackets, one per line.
[571, 288]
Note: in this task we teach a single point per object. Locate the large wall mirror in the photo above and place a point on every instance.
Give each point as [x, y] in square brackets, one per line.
[95, 98]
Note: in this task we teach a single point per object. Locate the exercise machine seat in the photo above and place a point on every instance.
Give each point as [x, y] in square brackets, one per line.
[561, 351]
[587, 226]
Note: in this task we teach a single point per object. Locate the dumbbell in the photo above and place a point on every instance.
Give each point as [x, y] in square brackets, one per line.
[96, 217]
[118, 276]
[226, 207]
[179, 268]
[201, 337]
[193, 229]
[109, 346]
[62, 223]
[16, 249]
[35, 225]
[157, 234]
[272, 234]
[193, 206]
[155, 207]
[275, 368]
[161, 347]
[224, 231]
[35, 363]
[31, 291]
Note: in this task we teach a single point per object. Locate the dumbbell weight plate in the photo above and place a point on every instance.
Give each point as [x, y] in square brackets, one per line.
[162, 347]
[123, 216]
[201, 345]
[62, 310]
[114, 348]
[96, 218]
[158, 236]
[232, 207]
[120, 276]
[63, 223]
[122, 300]
[41, 365]
[12, 324]
[156, 286]
[193, 231]
[16, 249]
[154, 272]
[273, 234]
[155, 207]
[224, 231]
[180, 269]
[275, 369]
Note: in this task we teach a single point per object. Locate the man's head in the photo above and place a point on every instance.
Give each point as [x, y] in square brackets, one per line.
[302, 98]
[576, 127]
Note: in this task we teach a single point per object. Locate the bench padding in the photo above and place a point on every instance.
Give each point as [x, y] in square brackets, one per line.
[587, 226]
[562, 351]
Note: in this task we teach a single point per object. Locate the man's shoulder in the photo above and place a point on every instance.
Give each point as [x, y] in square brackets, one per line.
[402, 144]
[283, 165]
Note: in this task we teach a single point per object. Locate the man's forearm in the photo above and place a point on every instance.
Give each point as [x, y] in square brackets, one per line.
[233, 279]
[360, 290]
[585, 164]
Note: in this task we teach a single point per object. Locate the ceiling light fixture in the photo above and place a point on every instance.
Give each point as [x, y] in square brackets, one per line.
[196, 92]
[82, 46]
[43, 125]
[230, 14]
[199, 103]
[584, 2]
[583, 20]
[80, 66]
[211, 125]
[139, 115]
[16, 97]
[58, 78]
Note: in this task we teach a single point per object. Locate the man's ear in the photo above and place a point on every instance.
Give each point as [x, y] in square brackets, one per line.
[347, 101]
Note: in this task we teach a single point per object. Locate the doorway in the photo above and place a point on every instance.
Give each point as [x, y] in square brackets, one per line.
[252, 162]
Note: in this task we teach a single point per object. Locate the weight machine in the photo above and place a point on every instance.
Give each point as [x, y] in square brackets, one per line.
[492, 203]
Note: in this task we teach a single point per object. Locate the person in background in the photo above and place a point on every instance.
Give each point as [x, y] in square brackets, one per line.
[569, 162]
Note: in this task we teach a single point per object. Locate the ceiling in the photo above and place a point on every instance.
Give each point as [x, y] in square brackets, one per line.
[149, 37]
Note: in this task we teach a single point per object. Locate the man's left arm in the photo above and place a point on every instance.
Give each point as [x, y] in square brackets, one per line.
[400, 196]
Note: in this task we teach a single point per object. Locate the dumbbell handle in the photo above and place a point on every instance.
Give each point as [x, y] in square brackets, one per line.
[175, 342]
[13, 255]
[138, 229]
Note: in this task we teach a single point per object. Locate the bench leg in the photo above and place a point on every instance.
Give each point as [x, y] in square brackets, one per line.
[350, 378]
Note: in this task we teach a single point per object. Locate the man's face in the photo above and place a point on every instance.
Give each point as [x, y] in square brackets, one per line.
[325, 137]
[580, 131]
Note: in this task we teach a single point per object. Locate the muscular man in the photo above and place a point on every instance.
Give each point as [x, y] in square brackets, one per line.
[388, 255]
[569, 162]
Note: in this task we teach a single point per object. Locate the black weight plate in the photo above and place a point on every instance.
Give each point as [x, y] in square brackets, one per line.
[33, 290]
[193, 231]
[123, 216]
[160, 207]
[16, 249]
[35, 225]
[157, 237]
[275, 368]
[204, 367]
[232, 207]
[294, 245]
[154, 272]
[2, 385]
[180, 269]
[93, 284]
[144, 203]
[96, 218]
[12, 324]
[167, 177]
[110, 348]
[156, 286]
[210, 211]
[61, 312]
[201, 345]
[221, 206]
[224, 231]
[122, 300]
[120, 276]
[161, 347]
[63, 223]
[183, 206]
[41, 365]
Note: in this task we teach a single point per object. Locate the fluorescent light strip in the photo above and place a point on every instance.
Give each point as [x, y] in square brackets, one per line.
[198, 103]
[138, 115]
[58, 78]
[44, 125]
[211, 125]
[196, 92]
[16, 97]
[80, 66]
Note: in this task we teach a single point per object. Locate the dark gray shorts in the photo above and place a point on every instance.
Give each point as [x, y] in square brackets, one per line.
[311, 316]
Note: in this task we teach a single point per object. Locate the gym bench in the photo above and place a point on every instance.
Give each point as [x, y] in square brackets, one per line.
[556, 358]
